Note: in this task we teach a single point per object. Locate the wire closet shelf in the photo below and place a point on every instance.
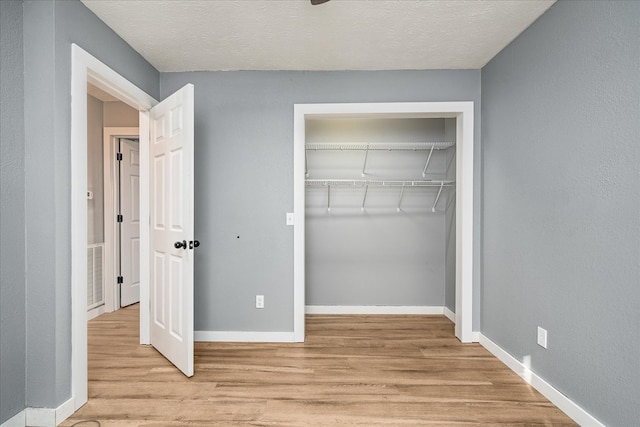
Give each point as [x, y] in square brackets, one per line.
[387, 146]
[328, 183]
[375, 146]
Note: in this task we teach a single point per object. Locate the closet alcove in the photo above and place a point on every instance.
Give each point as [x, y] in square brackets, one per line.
[380, 213]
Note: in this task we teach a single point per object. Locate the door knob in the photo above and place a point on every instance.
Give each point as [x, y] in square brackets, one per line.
[193, 244]
[179, 245]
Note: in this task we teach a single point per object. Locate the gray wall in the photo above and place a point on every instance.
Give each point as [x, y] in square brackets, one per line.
[100, 115]
[560, 127]
[244, 182]
[377, 256]
[95, 171]
[119, 114]
[12, 262]
[49, 29]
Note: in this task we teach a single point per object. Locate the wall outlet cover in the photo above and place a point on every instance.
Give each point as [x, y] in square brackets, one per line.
[542, 337]
[259, 301]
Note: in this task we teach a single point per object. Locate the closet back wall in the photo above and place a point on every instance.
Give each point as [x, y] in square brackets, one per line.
[244, 178]
[376, 255]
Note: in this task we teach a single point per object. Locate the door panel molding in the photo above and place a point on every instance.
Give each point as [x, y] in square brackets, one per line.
[172, 219]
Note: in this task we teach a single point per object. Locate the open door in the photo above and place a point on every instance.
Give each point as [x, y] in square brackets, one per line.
[171, 228]
[129, 221]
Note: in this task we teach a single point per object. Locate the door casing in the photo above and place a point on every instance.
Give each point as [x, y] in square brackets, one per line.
[85, 69]
[463, 113]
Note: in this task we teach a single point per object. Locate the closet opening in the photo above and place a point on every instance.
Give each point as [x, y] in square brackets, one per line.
[380, 216]
[383, 207]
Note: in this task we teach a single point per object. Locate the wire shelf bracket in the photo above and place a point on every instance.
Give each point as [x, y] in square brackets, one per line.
[433, 208]
[426, 165]
[400, 200]
[366, 154]
[364, 198]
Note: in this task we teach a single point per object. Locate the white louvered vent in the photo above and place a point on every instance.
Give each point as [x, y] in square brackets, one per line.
[95, 275]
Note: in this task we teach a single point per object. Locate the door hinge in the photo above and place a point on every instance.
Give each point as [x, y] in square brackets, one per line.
[119, 157]
[120, 279]
[119, 218]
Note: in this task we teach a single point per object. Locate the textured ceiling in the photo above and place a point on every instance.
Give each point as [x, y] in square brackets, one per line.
[196, 35]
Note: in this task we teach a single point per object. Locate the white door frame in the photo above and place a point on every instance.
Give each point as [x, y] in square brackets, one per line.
[463, 112]
[112, 292]
[87, 69]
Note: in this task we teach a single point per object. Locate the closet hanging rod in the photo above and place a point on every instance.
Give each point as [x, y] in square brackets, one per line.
[388, 146]
[376, 183]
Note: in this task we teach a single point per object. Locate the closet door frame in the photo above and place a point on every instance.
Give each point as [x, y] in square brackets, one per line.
[463, 113]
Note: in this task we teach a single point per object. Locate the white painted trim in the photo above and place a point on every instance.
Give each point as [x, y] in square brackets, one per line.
[95, 312]
[87, 69]
[79, 225]
[374, 309]
[449, 314]
[464, 222]
[243, 336]
[299, 255]
[48, 417]
[463, 112]
[40, 417]
[145, 254]
[18, 420]
[564, 403]
[110, 236]
[65, 410]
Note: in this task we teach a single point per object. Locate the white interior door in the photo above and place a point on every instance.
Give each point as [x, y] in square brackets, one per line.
[171, 224]
[129, 183]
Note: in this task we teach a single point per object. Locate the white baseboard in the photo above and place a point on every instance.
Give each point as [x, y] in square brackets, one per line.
[450, 314]
[18, 420]
[95, 312]
[65, 410]
[373, 309]
[564, 403]
[42, 417]
[243, 336]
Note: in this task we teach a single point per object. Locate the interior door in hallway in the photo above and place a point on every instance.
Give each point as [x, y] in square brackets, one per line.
[130, 225]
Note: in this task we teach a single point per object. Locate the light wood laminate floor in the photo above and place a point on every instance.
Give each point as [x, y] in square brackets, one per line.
[352, 370]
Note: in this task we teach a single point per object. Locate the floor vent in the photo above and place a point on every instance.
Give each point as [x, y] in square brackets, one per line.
[95, 275]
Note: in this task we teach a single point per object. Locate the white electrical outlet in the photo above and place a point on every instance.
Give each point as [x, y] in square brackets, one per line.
[542, 337]
[259, 301]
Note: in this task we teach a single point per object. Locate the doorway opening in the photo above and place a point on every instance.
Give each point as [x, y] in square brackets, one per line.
[86, 70]
[110, 121]
[166, 182]
[380, 216]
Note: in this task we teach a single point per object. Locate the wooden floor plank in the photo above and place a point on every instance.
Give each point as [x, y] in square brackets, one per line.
[364, 370]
